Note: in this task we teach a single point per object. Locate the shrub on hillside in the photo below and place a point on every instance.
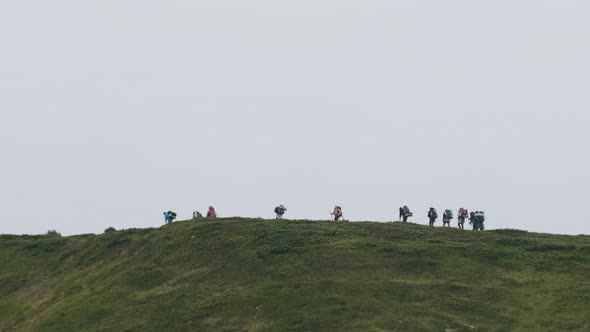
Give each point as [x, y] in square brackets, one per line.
[53, 233]
[110, 229]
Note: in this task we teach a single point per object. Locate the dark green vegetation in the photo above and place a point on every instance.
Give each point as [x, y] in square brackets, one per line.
[256, 275]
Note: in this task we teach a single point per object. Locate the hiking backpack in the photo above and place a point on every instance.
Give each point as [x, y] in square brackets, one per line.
[479, 216]
[433, 214]
[407, 210]
[464, 213]
[449, 214]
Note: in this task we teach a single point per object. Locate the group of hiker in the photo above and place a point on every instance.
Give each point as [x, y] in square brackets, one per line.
[170, 216]
[476, 218]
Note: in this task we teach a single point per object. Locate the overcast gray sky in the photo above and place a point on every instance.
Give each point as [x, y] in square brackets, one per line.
[113, 111]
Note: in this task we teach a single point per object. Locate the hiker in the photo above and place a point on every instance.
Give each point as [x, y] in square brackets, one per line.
[472, 220]
[280, 211]
[461, 216]
[479, 218]
[447, 217]
[432, 215]
[337, 213]
[169, 217]
[211, 214]
[197, 215]
[404, 212]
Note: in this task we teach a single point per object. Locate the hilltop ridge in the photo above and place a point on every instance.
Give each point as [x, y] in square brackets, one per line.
[241, 274]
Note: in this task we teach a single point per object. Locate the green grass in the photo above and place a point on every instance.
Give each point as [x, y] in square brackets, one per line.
[258, 275]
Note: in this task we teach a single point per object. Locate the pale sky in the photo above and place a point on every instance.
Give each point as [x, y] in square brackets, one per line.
[112, 112]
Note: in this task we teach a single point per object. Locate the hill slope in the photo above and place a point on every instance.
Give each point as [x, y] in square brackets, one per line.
[256, 275]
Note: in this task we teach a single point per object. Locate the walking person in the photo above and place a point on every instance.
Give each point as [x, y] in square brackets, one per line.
[432, 215]
[447, 217]
[337, 213]
[169, 217]
[461, 216]
[472, 220]
[211, 214]
[479, 218]
[280, 211]
[405, 213]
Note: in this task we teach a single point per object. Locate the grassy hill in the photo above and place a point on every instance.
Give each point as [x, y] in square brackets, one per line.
[257, 275]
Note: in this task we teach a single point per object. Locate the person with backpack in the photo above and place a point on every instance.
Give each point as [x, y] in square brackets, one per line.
[337, 213]
[447, 217]
[169, 217]
[472, 220]
[461, 216]
[197, 215]
[405, 213]
[432, 215]
[280, 211]
[211, 214]
[479, 218]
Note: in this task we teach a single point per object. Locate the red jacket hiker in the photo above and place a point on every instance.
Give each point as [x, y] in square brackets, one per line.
[211, 213]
